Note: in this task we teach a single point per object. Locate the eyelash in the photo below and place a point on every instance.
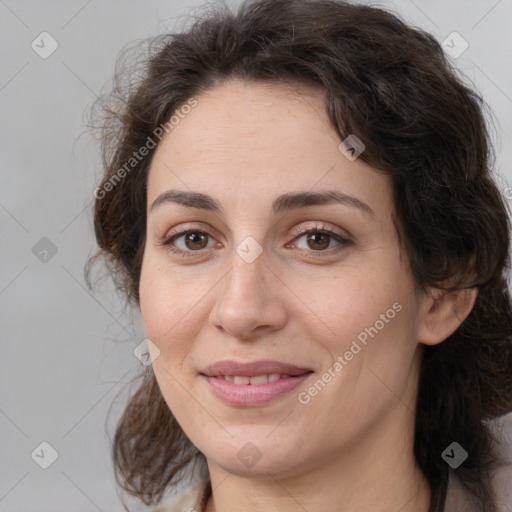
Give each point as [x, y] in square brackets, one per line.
[344, 242]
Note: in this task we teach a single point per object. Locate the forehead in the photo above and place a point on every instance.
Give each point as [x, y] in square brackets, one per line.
[260, 140]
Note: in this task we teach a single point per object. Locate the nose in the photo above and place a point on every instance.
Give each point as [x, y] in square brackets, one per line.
[249, 301]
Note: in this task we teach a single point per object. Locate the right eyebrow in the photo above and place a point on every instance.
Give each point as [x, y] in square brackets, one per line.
[189, 199]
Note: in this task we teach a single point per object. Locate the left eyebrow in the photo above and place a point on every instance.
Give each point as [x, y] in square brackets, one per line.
[296, 200]
[285, 202]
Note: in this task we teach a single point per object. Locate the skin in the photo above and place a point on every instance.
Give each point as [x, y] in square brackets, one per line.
[246, 143]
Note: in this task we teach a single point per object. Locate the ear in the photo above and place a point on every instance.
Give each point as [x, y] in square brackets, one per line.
[443, 312]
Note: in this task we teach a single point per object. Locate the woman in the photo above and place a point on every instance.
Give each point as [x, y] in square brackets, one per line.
[298, 197]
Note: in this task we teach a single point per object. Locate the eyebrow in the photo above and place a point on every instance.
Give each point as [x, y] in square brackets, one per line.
[285, 202]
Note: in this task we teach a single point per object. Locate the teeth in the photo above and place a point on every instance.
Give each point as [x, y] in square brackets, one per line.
[240, 380]
[259, 379]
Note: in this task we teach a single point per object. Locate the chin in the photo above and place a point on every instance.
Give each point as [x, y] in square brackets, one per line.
[254, 454]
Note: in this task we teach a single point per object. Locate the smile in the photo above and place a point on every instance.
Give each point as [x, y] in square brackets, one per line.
[241, 380]
[249, 384]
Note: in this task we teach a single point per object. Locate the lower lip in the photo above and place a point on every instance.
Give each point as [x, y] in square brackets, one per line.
[248, 395]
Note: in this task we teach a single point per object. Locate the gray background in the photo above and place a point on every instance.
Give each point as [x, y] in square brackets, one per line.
[66, 352]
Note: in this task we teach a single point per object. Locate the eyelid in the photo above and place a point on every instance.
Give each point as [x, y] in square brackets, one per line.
[184, 229]
[320, 226]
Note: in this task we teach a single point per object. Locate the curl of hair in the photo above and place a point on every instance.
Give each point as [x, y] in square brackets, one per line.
[143, 460]
[391, 85]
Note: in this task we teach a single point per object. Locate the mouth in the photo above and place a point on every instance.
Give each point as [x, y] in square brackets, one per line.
[254, 383]
[257, 380]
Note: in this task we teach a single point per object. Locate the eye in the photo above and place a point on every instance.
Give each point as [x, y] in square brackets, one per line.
[320, 240]
[186, 242]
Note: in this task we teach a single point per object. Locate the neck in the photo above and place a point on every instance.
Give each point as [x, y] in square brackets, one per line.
[370, 475]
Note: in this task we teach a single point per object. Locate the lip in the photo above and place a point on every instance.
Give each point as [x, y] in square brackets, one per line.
[250, 395]
[253, 368]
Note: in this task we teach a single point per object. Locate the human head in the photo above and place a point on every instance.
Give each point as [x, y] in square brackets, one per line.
[428, 137]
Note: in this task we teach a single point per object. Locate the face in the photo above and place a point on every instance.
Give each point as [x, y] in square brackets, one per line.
[284, 329]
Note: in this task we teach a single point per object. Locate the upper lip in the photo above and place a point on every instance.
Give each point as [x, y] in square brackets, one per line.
[253, 368]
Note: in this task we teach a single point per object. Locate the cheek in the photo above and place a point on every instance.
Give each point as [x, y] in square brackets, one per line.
[371, 319]
[164, 305]
[174, 309]
[356, 299]
[167, 310]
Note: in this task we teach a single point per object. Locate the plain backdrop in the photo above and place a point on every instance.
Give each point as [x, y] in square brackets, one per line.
[67, 352]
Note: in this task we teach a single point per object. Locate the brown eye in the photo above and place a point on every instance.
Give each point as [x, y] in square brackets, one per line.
[195, 240]
[188, 242]
[318, 241]
[321, 242]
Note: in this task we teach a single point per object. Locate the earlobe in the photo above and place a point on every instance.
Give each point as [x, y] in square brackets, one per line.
[443, 313]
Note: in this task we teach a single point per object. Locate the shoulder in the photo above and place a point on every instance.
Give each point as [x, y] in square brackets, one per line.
[190, 500]
[502, 477]
[459, 500]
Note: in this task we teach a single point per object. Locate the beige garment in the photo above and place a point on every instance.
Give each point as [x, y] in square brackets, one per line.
[192, 500]
[457, 499]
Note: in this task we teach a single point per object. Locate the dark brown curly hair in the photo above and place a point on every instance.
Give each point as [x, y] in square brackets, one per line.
[421, 123]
